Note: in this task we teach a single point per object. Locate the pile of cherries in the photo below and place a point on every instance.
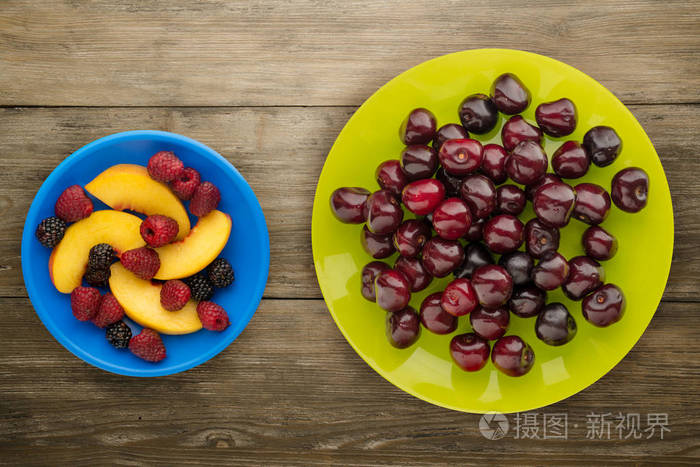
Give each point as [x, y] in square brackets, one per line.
[456, 189]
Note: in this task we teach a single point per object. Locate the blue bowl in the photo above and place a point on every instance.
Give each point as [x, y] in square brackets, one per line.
[248, 250]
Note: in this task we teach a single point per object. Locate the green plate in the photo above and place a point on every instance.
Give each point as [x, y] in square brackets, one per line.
[425, 369]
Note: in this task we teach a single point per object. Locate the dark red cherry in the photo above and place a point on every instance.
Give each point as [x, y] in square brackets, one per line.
[554, 203]
[452, 184]
[527, 301]
[512, 356]
[475, 256]
[493, 285]
[434, 318]
[392, 290]
[441, 257]
[377, 246]
[546, 179]
[412, 268]
[570, 160]
[459, 297]
[598, 243]
[630, 188]
[605, 306]
[527, 163]
[503, 233]
[419, 161]
[348, 204]
[478, 113]
[602, 144]
[516, 130]
[540, 238]
[585, 276]
[423, 196]
[469, 351]
[556, 118]
[509, 94]
[410, 237]
[490, 324]
[480, 194]
[418, 128]
[519, 265]
[390, 176]
[592, 203]
[493, 163]
[555, 325]
[403, 328]
[551, 272]
[475, 232]
[452, 218]
[384, 213]
[460, 157]
[369, 274]
[449, 131]
[510, 200]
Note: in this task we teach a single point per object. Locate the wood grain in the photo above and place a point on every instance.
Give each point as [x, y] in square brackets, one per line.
[214, 52]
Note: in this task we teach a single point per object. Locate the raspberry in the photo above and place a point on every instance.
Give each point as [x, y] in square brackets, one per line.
[143, 262]
[184, 185]
[84, 301]
[109, 311]
[212, 316]
[118, 334]
[220, 273]
[97, 277]
[159, 230]
[148, 345]
[174, 295]
[73, 204]
[164, 166]
[205, 199]
[100, 256]
[50, 231]
[200, 287]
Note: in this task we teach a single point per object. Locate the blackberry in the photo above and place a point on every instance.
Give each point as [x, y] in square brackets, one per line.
[100, 256]
[220, 273]
[200, 287]
[119, 334]
[50, 231]
[97, 277]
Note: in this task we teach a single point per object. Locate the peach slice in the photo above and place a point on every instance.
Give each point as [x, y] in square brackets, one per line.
[128, 186]
[141, 302]
[69, 259]
[194, 252]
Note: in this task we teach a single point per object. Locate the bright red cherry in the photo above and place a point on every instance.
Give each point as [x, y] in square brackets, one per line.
[423, 196]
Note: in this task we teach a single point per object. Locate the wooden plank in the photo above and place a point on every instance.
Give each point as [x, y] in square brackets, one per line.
[215, 52]
[281, 151]
[268, 399]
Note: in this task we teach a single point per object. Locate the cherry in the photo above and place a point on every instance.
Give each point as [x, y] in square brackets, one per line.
[475, 232]
[509, 94]
[392, 290]
[418, 127]
[556, 118]
[519, 265]
[384, 213]
[592, 203]
[369, 274]
[478, 113]
[452, 183]
[551, 272]
[630, 188]
[390, 176]
[493, 285]
[348, 204]
[377, 246]
[449, 131]
[452, 218]
[475, 256]
[493, 163]
[527, 301]
[489, 324]
[412, 268]
[480, 194]
[503, 233]
[540, 238]
[410, 237]
[441, 257]
[605, 306]
[434, 318]
[546, 179]
[422, 196]
[598, 243]
[459, 297]
[510, 200]
[516, 130]
[418, 162]
[527, 163]
[402, 328]
[469, 351]
[570, 160]
[512, 356]
[461, 157]
[585, 276]
[555, 325]
[602, 144]
[554, 203]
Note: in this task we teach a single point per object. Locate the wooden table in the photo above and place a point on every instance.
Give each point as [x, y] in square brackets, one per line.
[270, 85]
